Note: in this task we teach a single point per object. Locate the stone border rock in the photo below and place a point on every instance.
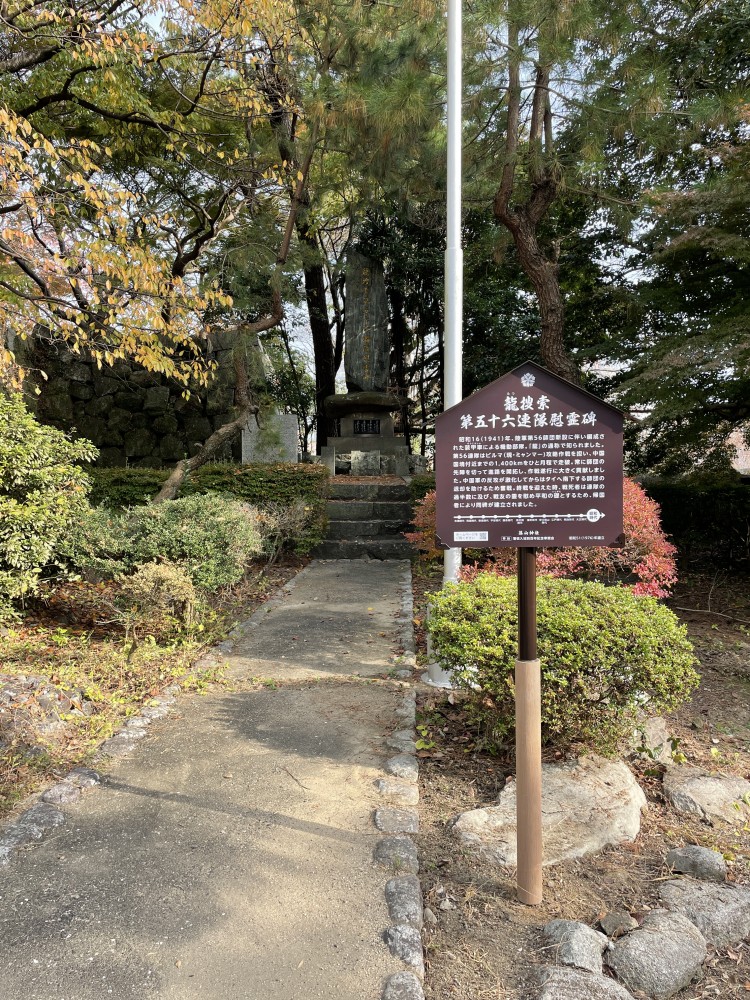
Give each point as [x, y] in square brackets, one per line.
[397, 852]
[665, 951]
[405, 621]
[34, 823]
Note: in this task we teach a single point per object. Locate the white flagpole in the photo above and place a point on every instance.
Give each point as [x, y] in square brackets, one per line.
[454, 275]
[454, 262]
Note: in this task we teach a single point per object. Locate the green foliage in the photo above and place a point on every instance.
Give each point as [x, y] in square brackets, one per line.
[271, 487]
[605, 654]
[710, 524]
[124, 487]
[159, 598]
[211, 536]
[421, 485]
[266, 487]
[160, 586]
[42, 496]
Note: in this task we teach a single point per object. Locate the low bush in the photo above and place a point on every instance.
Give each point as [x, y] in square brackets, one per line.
[271, 487]
[301, 487]
[124, 487]
[209, 535]
[646, 561]
[421, 485]
[605, 653]
[281, 526]
[43, 494]
[159, 600]
[424, 537]
[160, 588]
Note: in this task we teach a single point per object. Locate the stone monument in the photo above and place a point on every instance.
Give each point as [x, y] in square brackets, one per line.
[272, 437]
[365, 427]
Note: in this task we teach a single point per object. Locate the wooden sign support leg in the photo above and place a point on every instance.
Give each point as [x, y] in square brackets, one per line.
[528, 738]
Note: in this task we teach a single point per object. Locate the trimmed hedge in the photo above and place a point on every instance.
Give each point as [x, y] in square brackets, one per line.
[117, 488]
[262, 486]
[605, 653]
[710, 525]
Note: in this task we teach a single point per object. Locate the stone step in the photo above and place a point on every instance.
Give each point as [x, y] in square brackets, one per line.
[364, 510]
[385, 547]
[340, 489]
[364, 529]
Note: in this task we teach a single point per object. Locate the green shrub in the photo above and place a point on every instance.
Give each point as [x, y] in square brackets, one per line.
[124, 487]
[42, 495]
[157, 595]
[605, 653]
[268, 487]
[211, 536]
[421, 485]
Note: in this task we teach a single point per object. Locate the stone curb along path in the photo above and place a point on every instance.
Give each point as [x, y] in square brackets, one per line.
[397, 818]
[33, 825]
[397, 853]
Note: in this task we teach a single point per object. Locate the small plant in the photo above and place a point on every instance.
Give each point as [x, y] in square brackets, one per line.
[157, 590]
[424, 740]
[423, 537]
[605, 654]
[282, 526]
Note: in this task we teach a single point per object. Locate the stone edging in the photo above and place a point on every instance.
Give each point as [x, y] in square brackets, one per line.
[35, 823]
[406, 660]
[396, 852]
[662, 952]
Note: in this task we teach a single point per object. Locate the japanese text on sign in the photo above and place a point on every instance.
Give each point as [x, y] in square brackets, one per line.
[530, 464]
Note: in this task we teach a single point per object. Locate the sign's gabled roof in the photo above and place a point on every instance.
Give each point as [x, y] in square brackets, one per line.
[533, 366]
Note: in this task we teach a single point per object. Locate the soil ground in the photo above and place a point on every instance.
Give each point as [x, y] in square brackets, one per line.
[484, 941]
[70, 673]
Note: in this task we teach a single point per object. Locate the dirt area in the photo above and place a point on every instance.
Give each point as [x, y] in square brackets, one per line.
[70, 673]
[484, 941]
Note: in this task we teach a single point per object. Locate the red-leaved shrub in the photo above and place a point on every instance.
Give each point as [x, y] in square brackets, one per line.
[646, 561]
[424, 520]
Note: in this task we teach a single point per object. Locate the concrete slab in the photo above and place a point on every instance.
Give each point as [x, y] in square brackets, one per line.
[230, 856]
[337, 620]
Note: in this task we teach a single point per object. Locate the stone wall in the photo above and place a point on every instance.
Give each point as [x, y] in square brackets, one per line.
[134, 417]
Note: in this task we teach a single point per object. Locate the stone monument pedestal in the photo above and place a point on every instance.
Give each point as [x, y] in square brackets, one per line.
[366, 432]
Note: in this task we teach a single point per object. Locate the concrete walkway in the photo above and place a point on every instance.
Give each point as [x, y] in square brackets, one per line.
[229, 857]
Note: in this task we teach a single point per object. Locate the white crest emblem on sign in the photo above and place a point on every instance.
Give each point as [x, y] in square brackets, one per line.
[527, 380]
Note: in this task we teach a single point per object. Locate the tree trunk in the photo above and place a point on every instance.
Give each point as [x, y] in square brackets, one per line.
[246, 408]
[325, 371]
[543, 274]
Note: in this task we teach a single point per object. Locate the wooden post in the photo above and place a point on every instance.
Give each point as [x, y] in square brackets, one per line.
[528, 738]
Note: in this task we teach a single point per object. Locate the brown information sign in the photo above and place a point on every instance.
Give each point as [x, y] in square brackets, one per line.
[529, 461]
